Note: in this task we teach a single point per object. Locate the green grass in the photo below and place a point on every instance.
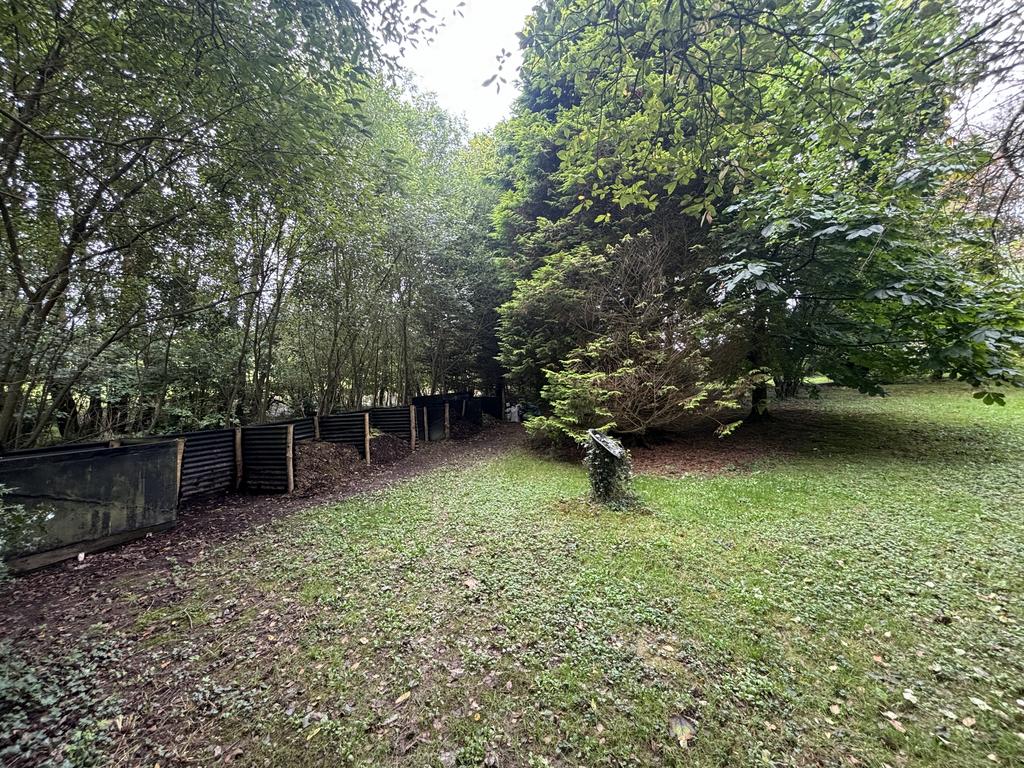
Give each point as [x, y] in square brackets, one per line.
[857, 602]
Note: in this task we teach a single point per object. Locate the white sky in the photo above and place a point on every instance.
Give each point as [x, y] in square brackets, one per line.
[464, 55]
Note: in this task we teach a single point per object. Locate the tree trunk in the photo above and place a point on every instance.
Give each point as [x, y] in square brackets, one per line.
[758, 403]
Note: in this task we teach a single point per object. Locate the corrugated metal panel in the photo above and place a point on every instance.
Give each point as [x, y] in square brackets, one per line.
[305, 429]
[421, 423]
[467, 409]
[393, 421]
[208, 463]
[266, 460]
[435, 416]
[430, 422]
[491, 406]
[347, 428]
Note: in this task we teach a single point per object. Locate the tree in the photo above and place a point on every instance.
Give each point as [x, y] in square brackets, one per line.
[210, 216]
[796, 162]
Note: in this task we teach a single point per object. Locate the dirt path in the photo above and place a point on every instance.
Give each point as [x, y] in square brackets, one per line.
[67, 593]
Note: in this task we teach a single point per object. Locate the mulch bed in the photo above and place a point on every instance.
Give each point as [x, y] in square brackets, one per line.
[324, 466]
[387, 449]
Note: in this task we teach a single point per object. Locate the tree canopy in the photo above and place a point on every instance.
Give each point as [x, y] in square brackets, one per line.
[793, 172]
[214, 212]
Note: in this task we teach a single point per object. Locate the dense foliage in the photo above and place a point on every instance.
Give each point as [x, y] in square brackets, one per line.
[214, 212]
[790, 175]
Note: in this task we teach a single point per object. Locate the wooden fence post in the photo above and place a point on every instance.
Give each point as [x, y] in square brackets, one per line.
[316, 426]
[412, 427]
[238, 458]
[181, 457]
[366, 436]
[447, 423]
[426, 425]
[290, 457]
[464, 401]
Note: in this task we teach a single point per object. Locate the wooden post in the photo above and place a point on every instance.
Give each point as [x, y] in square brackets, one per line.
[447, 422]
[366, 436]
[114, 444]
[238, 458]
[181, 457]
[464, 401]
[412, 426]
[290, 457]
[316, 426]
[426, 425]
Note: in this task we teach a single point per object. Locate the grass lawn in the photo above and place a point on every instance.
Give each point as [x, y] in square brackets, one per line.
[854, 601]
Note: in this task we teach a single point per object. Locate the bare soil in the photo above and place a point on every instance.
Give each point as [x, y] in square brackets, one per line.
[791, 428]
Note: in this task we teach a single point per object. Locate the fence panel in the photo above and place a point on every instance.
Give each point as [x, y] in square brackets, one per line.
[491, 406]
[305, 429]
[435, 421]
[267, 458]
[469, 410]
[347, 428]
[396, 421]
[92, 496]
[208, 466]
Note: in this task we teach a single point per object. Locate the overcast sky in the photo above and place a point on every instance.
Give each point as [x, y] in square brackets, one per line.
[464, 53]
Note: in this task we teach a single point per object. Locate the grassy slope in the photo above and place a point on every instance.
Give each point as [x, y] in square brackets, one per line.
[859, 604]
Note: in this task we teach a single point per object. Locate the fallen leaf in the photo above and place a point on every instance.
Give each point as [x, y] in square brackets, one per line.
[683, 730]
[969, 722]
[403, 698]
[981, 704]
[909, 696]
[898, 726]
[835, 709]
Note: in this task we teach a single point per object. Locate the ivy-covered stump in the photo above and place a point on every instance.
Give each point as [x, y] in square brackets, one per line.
[610, 469]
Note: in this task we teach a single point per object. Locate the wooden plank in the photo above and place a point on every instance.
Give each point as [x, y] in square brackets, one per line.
[43, 559]
[181, 458]
[412, 427]
[238, 458]
[290, 457]
[316, 427]
[366, 436]
[447, 422]
[426, 425]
